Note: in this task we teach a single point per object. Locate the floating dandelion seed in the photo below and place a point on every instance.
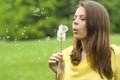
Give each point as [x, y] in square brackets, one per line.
[15, 42]
[15, 39]
[47, 17]
[39, 40]
[22, 33]
[36, 10]
[43, 8]
[36, 14]
[8, 37]
[3, 38]
[39, 58]
[22, 46]
[6, 30]
[55, 30]
[16, 26]
[47, 38]
[41, 12]
[25, 27]
[15, 45]
[26, 37]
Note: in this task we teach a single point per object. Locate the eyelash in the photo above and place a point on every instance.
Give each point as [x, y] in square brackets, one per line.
[83, 19]
[80, 18]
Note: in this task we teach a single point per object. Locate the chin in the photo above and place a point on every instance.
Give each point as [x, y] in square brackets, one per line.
[79, 38]
[76, 37]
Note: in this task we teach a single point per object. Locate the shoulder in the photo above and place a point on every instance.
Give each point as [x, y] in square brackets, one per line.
[116, 50]
[66, 53]
[116, 60]
[68, 50]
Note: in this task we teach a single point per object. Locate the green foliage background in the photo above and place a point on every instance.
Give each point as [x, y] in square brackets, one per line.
[33, 19]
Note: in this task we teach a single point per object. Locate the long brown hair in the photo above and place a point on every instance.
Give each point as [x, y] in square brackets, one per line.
[97, 40]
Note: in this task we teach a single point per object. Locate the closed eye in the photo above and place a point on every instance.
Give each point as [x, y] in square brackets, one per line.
[84, 19]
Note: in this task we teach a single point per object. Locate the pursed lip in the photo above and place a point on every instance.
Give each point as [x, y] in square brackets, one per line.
[75, 31]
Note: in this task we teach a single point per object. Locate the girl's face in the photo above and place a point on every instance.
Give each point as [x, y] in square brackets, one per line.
[79, 24]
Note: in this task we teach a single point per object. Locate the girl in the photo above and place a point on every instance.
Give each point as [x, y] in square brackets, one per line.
[91, 57]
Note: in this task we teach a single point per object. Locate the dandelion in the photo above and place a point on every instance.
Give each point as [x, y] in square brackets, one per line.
[61, 36]
[61, 33]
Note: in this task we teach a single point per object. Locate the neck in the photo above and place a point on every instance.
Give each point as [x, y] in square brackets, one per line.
[83, 45]
[84, 50]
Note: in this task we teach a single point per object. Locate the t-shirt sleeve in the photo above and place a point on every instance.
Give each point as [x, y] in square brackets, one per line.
[118, 63]
[66, 53]
[118, 67]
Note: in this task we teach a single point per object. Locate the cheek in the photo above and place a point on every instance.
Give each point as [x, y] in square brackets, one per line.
[83, 28]
[83, 31]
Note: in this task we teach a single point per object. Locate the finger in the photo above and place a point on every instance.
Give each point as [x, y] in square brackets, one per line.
[60, 54]
[52, 62]
[57, 55]
[54, 58]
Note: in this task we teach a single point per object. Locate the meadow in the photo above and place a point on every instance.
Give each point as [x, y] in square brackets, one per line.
[28, 60]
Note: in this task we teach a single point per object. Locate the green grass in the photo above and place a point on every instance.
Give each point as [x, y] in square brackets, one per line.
[28, 60]
[115, 39]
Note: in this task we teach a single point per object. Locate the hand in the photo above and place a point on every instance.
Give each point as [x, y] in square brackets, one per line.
[53, 62]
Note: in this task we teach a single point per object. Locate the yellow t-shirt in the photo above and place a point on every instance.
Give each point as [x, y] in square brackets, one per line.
[83, 71]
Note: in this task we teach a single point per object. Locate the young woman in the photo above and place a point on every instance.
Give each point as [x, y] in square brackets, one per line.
[91, 57]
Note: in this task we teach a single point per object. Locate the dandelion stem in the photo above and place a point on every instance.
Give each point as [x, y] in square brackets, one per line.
[59, 70]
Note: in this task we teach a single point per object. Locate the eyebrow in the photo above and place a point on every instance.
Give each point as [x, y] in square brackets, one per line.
[80, 15]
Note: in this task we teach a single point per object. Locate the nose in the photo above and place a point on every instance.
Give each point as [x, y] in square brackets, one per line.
[75, 21]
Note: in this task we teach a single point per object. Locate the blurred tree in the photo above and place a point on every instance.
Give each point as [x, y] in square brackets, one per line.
[34, 19]
[113, 7]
